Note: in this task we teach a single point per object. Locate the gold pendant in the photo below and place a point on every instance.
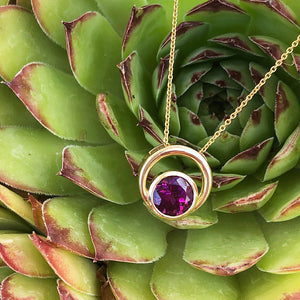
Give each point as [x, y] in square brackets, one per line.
[174, 195]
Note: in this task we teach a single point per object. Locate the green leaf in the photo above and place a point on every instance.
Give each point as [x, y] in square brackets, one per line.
[284, 242]
[59, 103]
[189, 36]
[16, 204]
[66, 221]
[256, 285]
[248, 161]
[50, 14]
[18, 252]
[237, 42]
[223, 17]
[30, 159]
[287, 158]
[191, 127]
[206, 54]
[100, 170]
[171, 270]
[127, 233]
[118, 13]
[9, 220]
[203, 217]
[24, 42]
[82, 275]
[249, 195]
[268, 91]
[130, 281]
[144, 34]
[13, 112]
[152, 130]
[284, 204]
[67, 293]
[258, 128]
[88, 34]
[136, 83]
[5, 272]
[18, 286]
[238, 70]
[229, 143]
[231, 246]
[120, 123]
[287, 111]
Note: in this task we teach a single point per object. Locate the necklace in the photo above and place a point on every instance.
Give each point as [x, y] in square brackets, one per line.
[174, 195]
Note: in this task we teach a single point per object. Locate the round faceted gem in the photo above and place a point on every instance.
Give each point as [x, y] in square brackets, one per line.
[173, 196]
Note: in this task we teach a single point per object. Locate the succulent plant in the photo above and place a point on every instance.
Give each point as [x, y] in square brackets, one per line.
[73, 225]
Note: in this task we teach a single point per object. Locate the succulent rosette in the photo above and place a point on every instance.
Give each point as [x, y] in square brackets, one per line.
[83, 102]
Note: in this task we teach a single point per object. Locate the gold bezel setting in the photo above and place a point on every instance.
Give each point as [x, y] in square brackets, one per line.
[175, 150]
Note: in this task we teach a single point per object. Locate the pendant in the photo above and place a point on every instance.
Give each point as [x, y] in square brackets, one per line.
[174, 195]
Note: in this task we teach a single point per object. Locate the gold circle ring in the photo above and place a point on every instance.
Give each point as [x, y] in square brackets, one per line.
[179, 150]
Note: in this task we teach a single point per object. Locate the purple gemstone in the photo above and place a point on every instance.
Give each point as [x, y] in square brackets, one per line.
[173, 196]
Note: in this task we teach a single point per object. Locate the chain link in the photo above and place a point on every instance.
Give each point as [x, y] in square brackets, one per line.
[170, 74]
[244, 103]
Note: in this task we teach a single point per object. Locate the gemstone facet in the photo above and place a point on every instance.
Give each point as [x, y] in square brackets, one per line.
[173, 196]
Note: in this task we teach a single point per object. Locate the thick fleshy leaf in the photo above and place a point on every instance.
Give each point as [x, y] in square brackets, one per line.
[275, 48]
[10, 221]
[287, 111]
[189, 36]
[203, 54]
[68, 293]
[248, 161]
[17, 204]
[144, 34]
[135, 83]
[127, 233]
[257, 285]
[18, 286]
[24, 3]
[100, 170]
[258, 128]
[169, 272]
[66, 220]
[30, 160]
[5, 272]
[191, 127]
[59, 103]
[118, 13]
[224, 16]
[119, 122]
[201, 218]
[237, 42]
[268, 91]
[37, 214]
[229, 143]
[284, 242]
[152, 130]
[285, 203]
[50, 14]
[249, 195]
[233, 245]
[24, 42]
[88, 34]
[130, 281]
[238, 70]
[13, 112]
[286, 158]
[18, 252]
[136, 159]
[82, 275]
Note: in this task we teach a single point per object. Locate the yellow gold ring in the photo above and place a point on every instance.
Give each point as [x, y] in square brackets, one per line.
[185, 190]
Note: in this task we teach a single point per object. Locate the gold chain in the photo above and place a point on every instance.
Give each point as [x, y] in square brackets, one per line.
[233, 115]
[170, 75]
